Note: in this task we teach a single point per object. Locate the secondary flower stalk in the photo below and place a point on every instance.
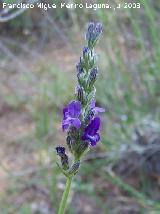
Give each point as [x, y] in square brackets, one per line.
[80, 116]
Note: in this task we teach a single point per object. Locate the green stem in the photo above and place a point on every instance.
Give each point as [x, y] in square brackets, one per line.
[65, 196]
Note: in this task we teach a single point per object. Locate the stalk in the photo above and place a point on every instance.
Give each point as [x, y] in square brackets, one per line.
[65, 196]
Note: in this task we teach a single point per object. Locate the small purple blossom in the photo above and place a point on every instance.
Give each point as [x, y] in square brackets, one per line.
[96, 109]
[70, 115]
[90, 132]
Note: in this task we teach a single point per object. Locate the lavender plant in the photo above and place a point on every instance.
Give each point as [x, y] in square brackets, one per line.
[80, 116]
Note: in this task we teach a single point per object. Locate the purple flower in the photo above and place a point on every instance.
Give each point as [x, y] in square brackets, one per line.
[70, 115]
[96, 109]
[90, 132]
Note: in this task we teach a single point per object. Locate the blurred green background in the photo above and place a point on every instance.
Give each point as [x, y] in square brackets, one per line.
[38, 53]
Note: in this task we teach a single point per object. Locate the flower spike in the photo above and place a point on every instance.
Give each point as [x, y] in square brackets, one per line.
[80, 116]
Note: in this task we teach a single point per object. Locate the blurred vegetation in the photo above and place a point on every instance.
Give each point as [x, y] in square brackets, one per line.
[128, 87]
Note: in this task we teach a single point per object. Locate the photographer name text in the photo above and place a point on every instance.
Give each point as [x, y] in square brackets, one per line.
[46, 6]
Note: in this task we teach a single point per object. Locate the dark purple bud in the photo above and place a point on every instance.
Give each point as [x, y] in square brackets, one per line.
[86, 52]
[80, 94]
[91, 27]
[60, 150]
[64, 158]
[98, 29]
[94, 71]
[93, 76]
[93, 33]
[79, 68]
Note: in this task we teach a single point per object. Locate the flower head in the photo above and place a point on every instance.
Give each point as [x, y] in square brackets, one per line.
[70, 115]
[90, 133]
[79, 116]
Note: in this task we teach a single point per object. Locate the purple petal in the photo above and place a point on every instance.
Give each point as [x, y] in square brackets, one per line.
[98, 109]
[76, 123]
[93, 104]
[94, 139]
[65, 112]
[93, 127]
[74, 108]
[65, 124]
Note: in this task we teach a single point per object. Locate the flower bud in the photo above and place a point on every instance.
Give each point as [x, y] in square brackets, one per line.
[79, 68]
[90, 30]
[93, 33]
[86, 52]
[80, 94]
[60, 150]
[64, 158]
[64, 162]
[98, 30]
[74, 168]
[93, 76]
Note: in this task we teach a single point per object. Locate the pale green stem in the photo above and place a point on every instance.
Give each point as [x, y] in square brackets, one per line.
[65, 196]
